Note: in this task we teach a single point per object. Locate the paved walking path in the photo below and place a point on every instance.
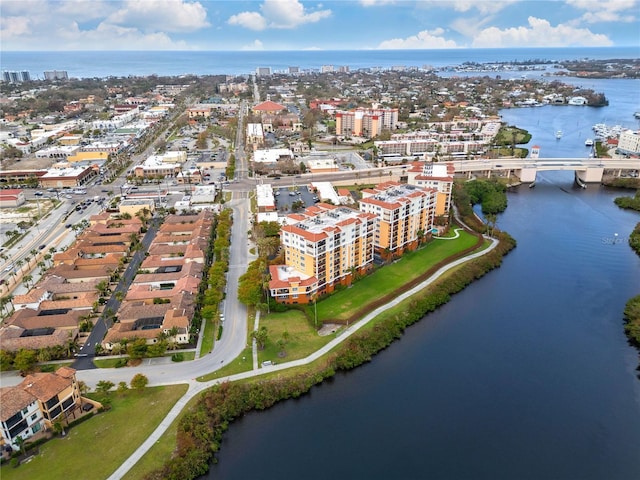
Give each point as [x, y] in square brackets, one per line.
[455, 230]
[196, 387]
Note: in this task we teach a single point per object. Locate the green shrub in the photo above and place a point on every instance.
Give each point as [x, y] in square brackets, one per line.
[177, 357]
[200, 431]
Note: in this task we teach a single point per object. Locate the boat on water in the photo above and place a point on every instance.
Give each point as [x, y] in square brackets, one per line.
[559, 134]
[588, 142]
[637, 115]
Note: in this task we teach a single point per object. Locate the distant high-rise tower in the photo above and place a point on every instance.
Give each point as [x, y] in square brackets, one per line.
[263, 71]
[56, 75]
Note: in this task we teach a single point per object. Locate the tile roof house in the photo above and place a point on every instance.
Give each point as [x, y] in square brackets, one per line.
[37, 402]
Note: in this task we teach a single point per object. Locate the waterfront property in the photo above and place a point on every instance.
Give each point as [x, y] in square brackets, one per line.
[324, 247]
[404, 215]
[39, 401]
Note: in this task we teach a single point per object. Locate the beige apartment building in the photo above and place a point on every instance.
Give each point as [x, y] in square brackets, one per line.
[404, 216]
[323, 247]
[366, 122]
[438, 176]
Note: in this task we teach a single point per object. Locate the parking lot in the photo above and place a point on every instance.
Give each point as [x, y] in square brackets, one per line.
[285, 197]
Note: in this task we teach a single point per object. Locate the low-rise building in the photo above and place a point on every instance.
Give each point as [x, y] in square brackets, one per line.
[39, 401]
[629, 142]
[11, 198]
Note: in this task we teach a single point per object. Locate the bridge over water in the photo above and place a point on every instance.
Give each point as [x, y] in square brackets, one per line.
[588, 170]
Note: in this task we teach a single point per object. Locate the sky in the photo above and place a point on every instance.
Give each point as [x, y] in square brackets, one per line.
[63, 25]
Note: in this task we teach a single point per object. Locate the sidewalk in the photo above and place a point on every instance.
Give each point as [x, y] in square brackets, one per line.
[196, 388]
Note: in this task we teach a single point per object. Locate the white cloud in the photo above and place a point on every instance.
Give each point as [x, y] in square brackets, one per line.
[116, 38]
[423, 40]
[606, 10]
[160, 15]
[256, 45]
[83, 10]
[539, 33]
[279, 14]
[250, 20]
[128, 24]
[375, 3]
[14, 26]
[482, 6]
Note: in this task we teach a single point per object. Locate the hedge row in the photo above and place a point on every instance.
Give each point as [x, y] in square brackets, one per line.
[200, 430]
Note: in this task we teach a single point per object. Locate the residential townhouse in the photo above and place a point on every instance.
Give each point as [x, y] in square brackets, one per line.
[37, 403]
[162, 296]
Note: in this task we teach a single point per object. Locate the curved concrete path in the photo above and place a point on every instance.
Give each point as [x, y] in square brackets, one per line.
[197, 387]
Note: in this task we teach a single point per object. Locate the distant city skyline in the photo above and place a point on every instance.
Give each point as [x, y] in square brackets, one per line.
[271, 25]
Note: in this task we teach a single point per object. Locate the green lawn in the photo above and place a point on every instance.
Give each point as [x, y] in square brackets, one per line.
[161, 450]
[241, 363]
[94, 449]
[342, 304]
[106, 362]
[209, 335]
[303, 338]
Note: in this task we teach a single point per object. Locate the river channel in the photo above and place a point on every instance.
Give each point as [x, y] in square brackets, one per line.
[526, 374]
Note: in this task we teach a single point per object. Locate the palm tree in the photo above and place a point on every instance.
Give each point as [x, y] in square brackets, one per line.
[102, 288]
[19, 264]
[6, 300]
[34, 253]
[26, 279]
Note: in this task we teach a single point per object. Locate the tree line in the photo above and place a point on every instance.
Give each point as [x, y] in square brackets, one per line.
[201, 430]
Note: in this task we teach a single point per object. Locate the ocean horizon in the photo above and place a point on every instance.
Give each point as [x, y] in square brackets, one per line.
[106, 63]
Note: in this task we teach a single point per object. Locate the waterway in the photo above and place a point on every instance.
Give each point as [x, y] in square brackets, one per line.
[526, 374]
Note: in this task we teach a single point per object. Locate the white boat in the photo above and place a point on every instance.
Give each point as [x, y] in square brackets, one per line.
[588, 142]
[559, 134]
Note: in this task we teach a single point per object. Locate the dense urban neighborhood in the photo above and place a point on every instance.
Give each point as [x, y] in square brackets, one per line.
[167, 221]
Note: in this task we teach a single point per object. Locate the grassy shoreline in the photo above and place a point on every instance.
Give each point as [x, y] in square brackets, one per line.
[102, 444]
[217, 407]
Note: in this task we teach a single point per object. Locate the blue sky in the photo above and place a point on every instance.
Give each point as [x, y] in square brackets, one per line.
[317, 25]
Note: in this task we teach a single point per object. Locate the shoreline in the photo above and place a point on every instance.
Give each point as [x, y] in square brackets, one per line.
[332, 362]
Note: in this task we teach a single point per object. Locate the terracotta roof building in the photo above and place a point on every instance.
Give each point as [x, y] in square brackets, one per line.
[268, 107]
[37, 402]
[323, 246]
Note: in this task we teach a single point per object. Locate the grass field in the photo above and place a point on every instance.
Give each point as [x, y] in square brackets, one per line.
[209, 335]
[241, 363]
[341, 305]
[303, 338]
[94, 449]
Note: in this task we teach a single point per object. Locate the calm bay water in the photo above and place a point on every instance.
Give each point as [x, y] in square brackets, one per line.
[124, 63]
[526, 374]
